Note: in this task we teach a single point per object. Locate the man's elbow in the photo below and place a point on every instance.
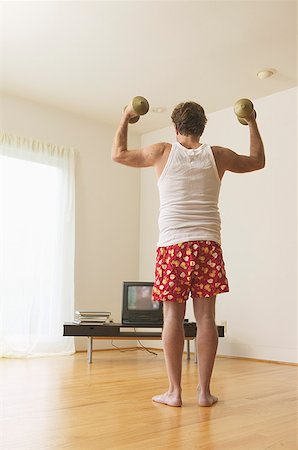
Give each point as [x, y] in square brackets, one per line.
[258, 163]
[258, 166]
[262, 164]
[118, 155]
[115, 158]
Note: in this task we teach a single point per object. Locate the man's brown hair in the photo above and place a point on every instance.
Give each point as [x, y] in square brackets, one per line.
[189, 119]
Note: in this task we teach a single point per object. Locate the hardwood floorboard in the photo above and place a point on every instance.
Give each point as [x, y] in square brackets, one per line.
[62, 403]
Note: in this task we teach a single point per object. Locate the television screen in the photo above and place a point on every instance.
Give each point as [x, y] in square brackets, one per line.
[139, 298]
[138, 306]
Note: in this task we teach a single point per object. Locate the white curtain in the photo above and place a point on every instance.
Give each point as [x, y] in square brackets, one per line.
[37, 215]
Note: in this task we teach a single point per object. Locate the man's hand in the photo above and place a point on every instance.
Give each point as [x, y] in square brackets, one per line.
[128, 112]
[251, 118]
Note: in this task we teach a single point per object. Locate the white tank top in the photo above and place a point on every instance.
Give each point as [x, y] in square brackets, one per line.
[188, 191]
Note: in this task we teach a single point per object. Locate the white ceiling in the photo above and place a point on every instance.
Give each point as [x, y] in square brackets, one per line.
[92, 57]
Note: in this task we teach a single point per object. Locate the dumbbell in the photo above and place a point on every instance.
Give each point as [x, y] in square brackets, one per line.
[243, 109]
[140, 106]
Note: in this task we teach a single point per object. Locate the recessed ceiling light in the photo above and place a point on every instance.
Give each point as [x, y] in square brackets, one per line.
[266, 73]
[158, 109]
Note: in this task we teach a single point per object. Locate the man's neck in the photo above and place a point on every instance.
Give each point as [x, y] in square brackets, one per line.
[189, 142]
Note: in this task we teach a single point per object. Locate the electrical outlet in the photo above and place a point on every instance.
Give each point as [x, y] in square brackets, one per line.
[224, 323]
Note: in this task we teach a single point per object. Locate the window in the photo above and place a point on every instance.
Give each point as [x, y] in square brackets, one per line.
[36, 251]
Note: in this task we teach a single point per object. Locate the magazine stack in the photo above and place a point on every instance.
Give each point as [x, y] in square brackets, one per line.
[91, 317]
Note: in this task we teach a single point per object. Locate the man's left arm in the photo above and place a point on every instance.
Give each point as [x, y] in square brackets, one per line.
[227, 159]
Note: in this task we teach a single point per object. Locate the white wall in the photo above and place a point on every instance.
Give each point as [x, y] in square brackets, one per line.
[107, 202]
[259, 234]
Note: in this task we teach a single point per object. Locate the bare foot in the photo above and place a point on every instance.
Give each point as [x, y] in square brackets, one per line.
[168, 399]
[207, 400]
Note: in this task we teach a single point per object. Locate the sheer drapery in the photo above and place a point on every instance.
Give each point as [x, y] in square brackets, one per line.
[37, 209]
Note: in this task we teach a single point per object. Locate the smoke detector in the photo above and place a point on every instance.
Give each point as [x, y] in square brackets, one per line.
[266, 73]
[158, 109]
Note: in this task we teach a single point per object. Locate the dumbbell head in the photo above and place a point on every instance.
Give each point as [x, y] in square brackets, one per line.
[243, 109]
[140, 105]
[134, 119]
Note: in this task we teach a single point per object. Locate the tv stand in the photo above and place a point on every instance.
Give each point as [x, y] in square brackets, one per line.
[114, 331]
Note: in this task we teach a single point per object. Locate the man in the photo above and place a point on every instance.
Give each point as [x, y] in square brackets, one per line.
[189, 258]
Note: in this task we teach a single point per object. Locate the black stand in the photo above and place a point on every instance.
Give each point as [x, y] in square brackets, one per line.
[113, 331]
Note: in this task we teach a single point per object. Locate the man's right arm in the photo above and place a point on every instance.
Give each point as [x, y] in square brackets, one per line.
[227, 159]
[142, 157]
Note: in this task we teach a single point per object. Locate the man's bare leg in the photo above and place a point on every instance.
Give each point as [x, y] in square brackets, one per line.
[173, 343]
[207, 341]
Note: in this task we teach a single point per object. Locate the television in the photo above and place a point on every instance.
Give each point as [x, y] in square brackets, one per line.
[138, 306]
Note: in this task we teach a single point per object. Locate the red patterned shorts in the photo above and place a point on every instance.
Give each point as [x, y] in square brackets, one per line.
[195, 267]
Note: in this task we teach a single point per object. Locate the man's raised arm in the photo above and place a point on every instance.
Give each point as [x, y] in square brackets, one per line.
[145, 157]
[229, 160]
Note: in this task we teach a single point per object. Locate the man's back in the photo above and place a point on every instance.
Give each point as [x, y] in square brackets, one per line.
[189, 187]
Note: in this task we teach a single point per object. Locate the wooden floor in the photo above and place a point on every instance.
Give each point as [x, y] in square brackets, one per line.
[62, 403]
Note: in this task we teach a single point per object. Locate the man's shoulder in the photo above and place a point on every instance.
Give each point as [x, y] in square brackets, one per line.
[218, 151]
[217, 148]
[166, 146]
[162, 148]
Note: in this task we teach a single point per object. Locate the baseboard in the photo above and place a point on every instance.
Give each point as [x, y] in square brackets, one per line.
[257, 352]
[269, 361]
